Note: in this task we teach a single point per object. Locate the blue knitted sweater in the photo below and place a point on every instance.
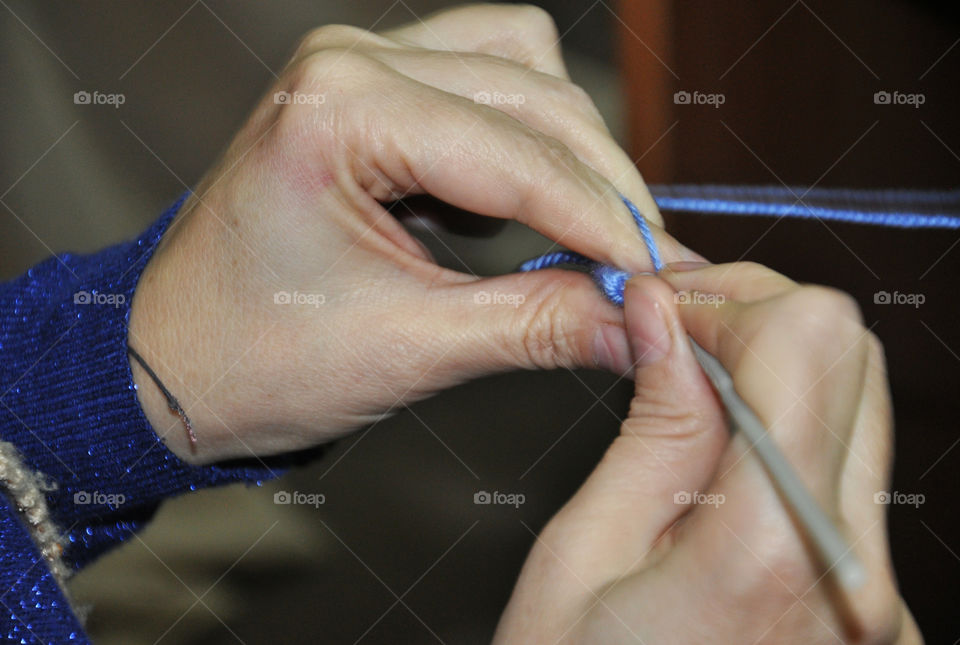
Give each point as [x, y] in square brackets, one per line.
[68, 403]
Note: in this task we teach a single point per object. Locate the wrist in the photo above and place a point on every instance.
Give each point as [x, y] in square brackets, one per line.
[146, 339]
[164, 317]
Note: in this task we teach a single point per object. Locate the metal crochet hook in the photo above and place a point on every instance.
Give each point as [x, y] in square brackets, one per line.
[831, 547]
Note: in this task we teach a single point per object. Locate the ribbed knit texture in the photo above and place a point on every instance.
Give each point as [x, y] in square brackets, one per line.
[68, 403]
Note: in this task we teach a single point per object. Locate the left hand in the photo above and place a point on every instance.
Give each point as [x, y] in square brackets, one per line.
[294, 207]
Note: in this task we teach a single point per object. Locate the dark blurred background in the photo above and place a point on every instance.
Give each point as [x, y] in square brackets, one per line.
[798, 79]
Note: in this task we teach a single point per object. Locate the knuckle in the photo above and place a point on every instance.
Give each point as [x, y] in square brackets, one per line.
[340, 65]
[545, 338]
[548, 164]
[312, 93]
[329, 36]
[755, 281]
[756, 272]
[536, 21]
[818, 326]
[751, 267]
[816, 311]
[556, 157]
[579, 99]
[831, 301]
[765, 282]
[656, 415]
[539, 336]
[524, 33]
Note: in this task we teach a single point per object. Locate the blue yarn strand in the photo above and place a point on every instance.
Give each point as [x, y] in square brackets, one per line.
[873, 207]
[886, 199]
[645, 234]
[554, 259]
[803, 211]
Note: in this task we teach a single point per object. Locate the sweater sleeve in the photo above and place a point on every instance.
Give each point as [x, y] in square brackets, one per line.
[69, 405]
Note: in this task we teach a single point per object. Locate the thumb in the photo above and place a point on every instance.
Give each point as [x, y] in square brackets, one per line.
[538, 320]
[669, 445]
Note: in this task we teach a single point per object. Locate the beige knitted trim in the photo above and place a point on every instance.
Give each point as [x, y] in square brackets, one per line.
[26, 488]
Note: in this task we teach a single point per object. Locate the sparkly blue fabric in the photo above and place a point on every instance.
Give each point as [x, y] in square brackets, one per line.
[68, 402]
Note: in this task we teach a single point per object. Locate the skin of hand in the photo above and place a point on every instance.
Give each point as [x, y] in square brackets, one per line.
[286, 307]
[678, 536]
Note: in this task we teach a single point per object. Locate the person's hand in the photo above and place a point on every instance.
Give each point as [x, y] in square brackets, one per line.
[285, 306]
[678, 536]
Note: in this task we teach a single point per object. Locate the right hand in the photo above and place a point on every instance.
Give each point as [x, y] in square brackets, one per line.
[631, 558]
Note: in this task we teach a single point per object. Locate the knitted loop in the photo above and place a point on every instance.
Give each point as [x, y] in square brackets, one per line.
[611, 280]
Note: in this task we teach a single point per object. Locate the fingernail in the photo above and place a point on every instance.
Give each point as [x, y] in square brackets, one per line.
[611, 350]
[647, 328]
[687, 266]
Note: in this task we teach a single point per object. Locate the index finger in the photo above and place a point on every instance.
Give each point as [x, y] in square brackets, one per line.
[481, 160]
[524, 34]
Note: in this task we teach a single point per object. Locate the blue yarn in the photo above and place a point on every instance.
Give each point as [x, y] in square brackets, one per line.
[876, 207]
[891, 208]
[553, 259]
[876, 199]
[611, 280]
[645, 234]
[803, 211]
